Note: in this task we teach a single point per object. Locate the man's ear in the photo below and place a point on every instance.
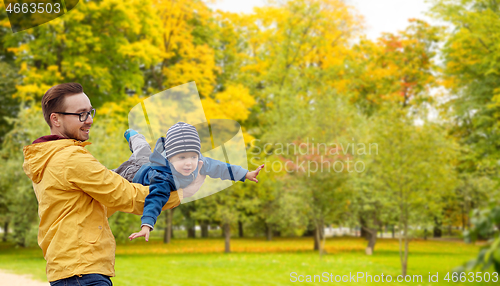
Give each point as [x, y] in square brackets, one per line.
[54, 119]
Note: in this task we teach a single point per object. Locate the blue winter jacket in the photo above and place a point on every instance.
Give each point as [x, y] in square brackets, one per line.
[162, 178]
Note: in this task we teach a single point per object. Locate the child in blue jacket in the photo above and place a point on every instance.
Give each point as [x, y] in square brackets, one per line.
[175, 163]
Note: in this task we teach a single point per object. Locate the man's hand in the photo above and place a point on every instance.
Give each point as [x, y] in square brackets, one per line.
[192, 188]
[252, 176]
[144, 232]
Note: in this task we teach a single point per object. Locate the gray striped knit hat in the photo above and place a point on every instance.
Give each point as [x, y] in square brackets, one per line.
[182, 137]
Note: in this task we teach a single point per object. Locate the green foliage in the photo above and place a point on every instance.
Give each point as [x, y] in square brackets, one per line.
[409, 177]
[486, 224]
[123, 225]
[18, 200]
[470, 65]
[9, 77]
[471, 62]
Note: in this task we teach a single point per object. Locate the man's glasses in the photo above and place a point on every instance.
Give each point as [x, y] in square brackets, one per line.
[83, 116]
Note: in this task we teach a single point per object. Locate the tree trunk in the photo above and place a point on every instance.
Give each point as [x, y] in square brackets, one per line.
[400, 238]
[316, 239]
[240, 229]
[204, 229]
[393, 228]
[405, 262]
[227, 238]
[318, 236]
[372, 239]
[403, 268]
[191, 232]
[276, 233]
[269, 232]
[403, 238]
[5, 231]
[438, 232]
[168, 227]
[362, 231]
[463, 219]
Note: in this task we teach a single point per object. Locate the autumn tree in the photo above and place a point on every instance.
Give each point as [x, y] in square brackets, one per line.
[101, 45]
[185, 45]
[18, 200]
[470, 61]
[413, 170]
[396, 68]
[9, 78]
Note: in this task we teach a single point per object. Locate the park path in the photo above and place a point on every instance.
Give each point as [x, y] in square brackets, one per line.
[10, 279]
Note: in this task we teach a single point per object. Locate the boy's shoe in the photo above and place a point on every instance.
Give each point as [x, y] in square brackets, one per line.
[129, 133]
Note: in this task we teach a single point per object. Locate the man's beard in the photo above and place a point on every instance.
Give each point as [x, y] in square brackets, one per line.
[75, 134]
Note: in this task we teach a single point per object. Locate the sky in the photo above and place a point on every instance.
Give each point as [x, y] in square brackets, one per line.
[380, 15]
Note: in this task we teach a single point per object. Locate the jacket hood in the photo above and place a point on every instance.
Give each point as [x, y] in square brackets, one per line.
[38, 155]
[156, 158]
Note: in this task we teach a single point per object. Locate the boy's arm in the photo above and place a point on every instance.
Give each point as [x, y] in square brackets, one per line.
[221, 170]
[85, 173]
[173, 201]
[161, 190]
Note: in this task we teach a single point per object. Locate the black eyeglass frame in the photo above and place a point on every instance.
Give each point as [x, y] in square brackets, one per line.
[90, 113]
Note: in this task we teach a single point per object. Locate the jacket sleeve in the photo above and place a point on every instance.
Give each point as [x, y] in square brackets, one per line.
[85, 173]
[221, 170]
[161, 190]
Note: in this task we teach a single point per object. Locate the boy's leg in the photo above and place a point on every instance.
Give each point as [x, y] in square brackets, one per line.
[140, 156]
[140, 149]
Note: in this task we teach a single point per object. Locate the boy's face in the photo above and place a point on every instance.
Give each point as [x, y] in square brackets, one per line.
[185, 163]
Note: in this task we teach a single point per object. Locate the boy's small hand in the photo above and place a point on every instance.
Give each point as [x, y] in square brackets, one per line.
[252, 176]
[144, 232]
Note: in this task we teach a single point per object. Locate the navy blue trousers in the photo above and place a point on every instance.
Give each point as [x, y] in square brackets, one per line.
[84, 280]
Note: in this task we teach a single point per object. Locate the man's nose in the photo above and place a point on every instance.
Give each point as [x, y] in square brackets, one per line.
[89, 120]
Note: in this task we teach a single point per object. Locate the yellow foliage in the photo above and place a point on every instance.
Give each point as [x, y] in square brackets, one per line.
[233, 103]
[182, 59]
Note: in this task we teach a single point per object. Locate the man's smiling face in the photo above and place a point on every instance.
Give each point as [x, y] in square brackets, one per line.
[71, 126]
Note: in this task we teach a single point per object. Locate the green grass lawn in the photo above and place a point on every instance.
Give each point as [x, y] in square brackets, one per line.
[258, 262]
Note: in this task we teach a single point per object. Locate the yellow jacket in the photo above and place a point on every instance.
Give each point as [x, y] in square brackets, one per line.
[76, 194]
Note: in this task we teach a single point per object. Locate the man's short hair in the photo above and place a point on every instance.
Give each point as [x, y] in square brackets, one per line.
[53, 100]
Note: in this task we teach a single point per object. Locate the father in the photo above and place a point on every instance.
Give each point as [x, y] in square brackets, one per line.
[76, 194]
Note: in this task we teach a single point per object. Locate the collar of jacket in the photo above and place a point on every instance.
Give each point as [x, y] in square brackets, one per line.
[36, 156]
[48, 138]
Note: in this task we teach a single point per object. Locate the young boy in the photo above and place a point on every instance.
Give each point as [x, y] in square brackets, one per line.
[175, 162]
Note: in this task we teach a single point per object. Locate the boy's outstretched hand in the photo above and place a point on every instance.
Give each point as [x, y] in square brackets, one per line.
[144, 232]
[252, 176]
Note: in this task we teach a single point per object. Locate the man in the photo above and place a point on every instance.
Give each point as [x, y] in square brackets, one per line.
[76, 194]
